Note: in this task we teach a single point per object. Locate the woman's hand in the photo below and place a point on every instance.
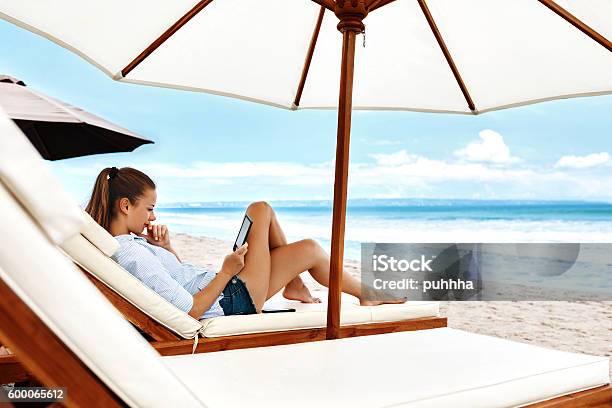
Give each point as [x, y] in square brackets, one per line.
[234, 262]
[158, 235]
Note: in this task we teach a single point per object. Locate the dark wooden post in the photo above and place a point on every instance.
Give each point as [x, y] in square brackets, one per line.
[351, 14]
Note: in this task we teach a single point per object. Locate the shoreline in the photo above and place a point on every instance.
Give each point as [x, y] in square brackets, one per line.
[573, 326]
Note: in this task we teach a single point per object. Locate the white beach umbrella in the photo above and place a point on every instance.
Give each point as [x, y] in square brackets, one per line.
[462, 56]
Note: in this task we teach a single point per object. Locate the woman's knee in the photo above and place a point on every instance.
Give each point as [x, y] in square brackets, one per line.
[313, 248]
[259, 207]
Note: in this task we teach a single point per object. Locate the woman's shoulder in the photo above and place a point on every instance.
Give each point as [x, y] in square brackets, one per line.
[130, 242]
[132, 253]
[125, 238]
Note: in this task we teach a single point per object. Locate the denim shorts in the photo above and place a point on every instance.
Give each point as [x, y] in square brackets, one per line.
[236, 298]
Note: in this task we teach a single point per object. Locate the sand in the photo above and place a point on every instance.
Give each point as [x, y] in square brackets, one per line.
[580, 327]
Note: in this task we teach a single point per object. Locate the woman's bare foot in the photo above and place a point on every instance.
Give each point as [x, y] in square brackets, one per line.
[296, 290]
[373, 297]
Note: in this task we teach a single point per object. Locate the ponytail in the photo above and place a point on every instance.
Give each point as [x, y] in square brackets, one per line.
[111, 185]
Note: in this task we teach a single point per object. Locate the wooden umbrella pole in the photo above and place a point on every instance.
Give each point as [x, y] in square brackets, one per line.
[351, 14]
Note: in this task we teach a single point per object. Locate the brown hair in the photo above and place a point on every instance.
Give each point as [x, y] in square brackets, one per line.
[111, 185]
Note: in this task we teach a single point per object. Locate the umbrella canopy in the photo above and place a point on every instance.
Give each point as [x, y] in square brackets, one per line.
[461, 56]
[59, 130]
[505, 52]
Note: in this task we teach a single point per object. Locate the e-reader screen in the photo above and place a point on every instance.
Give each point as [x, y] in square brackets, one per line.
[244, 232]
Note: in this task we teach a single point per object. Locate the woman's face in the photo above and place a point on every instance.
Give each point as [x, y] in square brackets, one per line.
[140, 214]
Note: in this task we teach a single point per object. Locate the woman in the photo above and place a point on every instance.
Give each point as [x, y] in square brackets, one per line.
[123, 202]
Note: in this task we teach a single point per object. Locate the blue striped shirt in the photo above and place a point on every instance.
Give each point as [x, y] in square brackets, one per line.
[161, 271]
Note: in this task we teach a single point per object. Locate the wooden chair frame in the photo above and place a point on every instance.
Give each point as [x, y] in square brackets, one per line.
[166, 342]
[55, 365]
[47, 357]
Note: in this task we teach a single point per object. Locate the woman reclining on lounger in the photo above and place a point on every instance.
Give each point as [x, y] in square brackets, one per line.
[123, 202]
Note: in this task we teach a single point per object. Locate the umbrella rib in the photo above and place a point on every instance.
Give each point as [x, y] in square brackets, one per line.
[576, 22]
[308, 60]
[447, 55]
[167, 34]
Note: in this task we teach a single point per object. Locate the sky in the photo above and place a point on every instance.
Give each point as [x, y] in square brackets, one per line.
[211, 148]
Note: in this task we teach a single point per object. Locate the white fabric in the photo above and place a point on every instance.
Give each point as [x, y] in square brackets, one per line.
[507, 52]
[98, 236]
[95, 29]
[595, 13]
[80, 316]
[27, 176]
[313, 315]
[130, 288]
[503, 64]
[420, 369]
[267, 322]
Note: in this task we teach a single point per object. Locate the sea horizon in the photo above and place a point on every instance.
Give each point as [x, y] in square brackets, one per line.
[379, 201]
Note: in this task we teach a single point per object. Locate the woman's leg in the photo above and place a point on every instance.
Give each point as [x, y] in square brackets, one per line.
[268, 271]
[257, 263]
[294, 289]
[266, 236]
[277, 235]
[292, 259]
[305, 255]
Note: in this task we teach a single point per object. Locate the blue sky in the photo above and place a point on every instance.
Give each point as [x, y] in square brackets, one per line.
[212, 148]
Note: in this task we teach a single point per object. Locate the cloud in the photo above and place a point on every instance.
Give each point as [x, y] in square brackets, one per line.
[491, 148]
[391, 175]
[393, 159]
[401, 169]
[581, 162]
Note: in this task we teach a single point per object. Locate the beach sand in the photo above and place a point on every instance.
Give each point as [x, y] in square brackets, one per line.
[580, 327]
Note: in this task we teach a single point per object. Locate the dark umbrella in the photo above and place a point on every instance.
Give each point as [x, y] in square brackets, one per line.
[59, 130]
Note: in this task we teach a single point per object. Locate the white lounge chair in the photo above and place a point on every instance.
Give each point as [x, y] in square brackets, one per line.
[58, 324]
[170, 330]
[93, 247]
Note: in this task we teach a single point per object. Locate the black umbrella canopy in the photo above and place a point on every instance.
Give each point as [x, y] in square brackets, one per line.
[59, 130]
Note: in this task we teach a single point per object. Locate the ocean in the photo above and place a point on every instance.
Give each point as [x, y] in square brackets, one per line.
[408, 220]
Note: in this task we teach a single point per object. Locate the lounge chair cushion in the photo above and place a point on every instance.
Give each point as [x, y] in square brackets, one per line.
[420, 369]
[309, 316]
[129, 287]
[26, 175]
[32, 266]
[98, 236]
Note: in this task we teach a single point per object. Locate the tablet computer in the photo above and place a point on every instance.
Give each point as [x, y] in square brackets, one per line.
[244, 232]
[283, 310]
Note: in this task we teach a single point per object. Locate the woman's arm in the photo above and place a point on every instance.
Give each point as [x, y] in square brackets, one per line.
[145, 266]
[232, 264]
[203, 300]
